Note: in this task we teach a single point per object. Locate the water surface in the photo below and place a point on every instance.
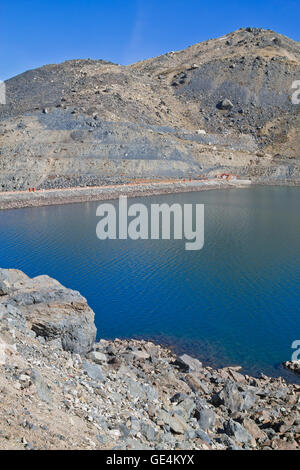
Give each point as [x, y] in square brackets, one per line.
[234, 302]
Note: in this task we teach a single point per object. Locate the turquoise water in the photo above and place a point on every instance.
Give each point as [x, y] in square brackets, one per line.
[234, 302]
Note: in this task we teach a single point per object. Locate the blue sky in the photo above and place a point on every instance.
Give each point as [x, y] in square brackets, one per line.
[34, 33]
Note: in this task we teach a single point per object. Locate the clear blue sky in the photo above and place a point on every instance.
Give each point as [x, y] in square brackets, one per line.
[34, 33]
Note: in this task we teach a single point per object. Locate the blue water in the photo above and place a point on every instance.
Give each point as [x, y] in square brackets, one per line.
[234, 302]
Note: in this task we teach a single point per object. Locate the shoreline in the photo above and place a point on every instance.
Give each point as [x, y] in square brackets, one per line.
[70, 392]
[50, 197]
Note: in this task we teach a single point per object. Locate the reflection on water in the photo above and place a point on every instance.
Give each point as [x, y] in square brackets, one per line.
[234, 302]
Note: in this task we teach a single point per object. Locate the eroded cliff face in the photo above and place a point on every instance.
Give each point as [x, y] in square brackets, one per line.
[222, 105]
[121, 394]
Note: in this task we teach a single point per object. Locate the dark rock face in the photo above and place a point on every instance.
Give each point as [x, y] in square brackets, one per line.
[52, 310]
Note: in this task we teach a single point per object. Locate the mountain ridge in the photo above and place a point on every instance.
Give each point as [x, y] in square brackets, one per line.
[89, 122]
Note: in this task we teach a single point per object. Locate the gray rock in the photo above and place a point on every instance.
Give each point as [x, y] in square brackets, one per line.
[188, 364]
[135, 425]
[187, 408]
[42, 387]
[13, 316]
[102, 438]
[98, 357]
[178, 397]
[202, 435]
[233, 399]
[93, 371]
[51, 310]
[148, 432]
[206, 418]
[10, 280]
[55, 343]
[237, 431]
[175, 423]
[140, 390]
[125, 432]
[225, 105]
[134, 444]
[228, 442]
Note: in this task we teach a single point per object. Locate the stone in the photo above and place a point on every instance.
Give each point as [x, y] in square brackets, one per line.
[140, 355]
[42, 387]
[102, 438]
[51, 310]
[148, 431]
[237, 431]
[196, 385]
[206, 419]
[203, 436]
[176, 423]
[253, 429]
[178, 397]
[187, 407]
[13, 317]
[228, 442]
[233, 399]
[98, 357]
[225, 105]
[10, 280]
[188, 364]
[125, 432]
[93, 371]
[6, 350]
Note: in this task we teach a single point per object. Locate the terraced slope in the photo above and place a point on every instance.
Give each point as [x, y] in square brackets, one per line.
[221, 105]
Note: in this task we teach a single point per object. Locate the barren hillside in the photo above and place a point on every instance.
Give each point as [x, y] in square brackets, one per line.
[221, 105]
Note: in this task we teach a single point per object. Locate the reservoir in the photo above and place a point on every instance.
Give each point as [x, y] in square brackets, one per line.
[234, 302]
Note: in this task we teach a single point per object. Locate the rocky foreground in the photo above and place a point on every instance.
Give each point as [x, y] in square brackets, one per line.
[61, 390]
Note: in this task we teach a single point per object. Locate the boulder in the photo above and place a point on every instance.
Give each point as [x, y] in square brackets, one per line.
[10, 280]
[176, 424]
[188, 364]
[234, 400]
[225, 105]
[98, 357]
[206, 418]
[50, 309]
[93, 371]
[13, 317]
[238, 432]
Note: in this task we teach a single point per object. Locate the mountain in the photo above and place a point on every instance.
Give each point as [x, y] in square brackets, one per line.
[221, 105]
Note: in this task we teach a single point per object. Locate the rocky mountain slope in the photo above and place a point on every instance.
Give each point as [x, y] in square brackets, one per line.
[221, 105]
[60, 390]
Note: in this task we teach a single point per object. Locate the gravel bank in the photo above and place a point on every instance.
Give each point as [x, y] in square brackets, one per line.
[19, 199]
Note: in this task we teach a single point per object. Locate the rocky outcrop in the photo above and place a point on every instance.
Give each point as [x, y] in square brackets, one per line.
[50, 310]
[123, 394]
[294, 366]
